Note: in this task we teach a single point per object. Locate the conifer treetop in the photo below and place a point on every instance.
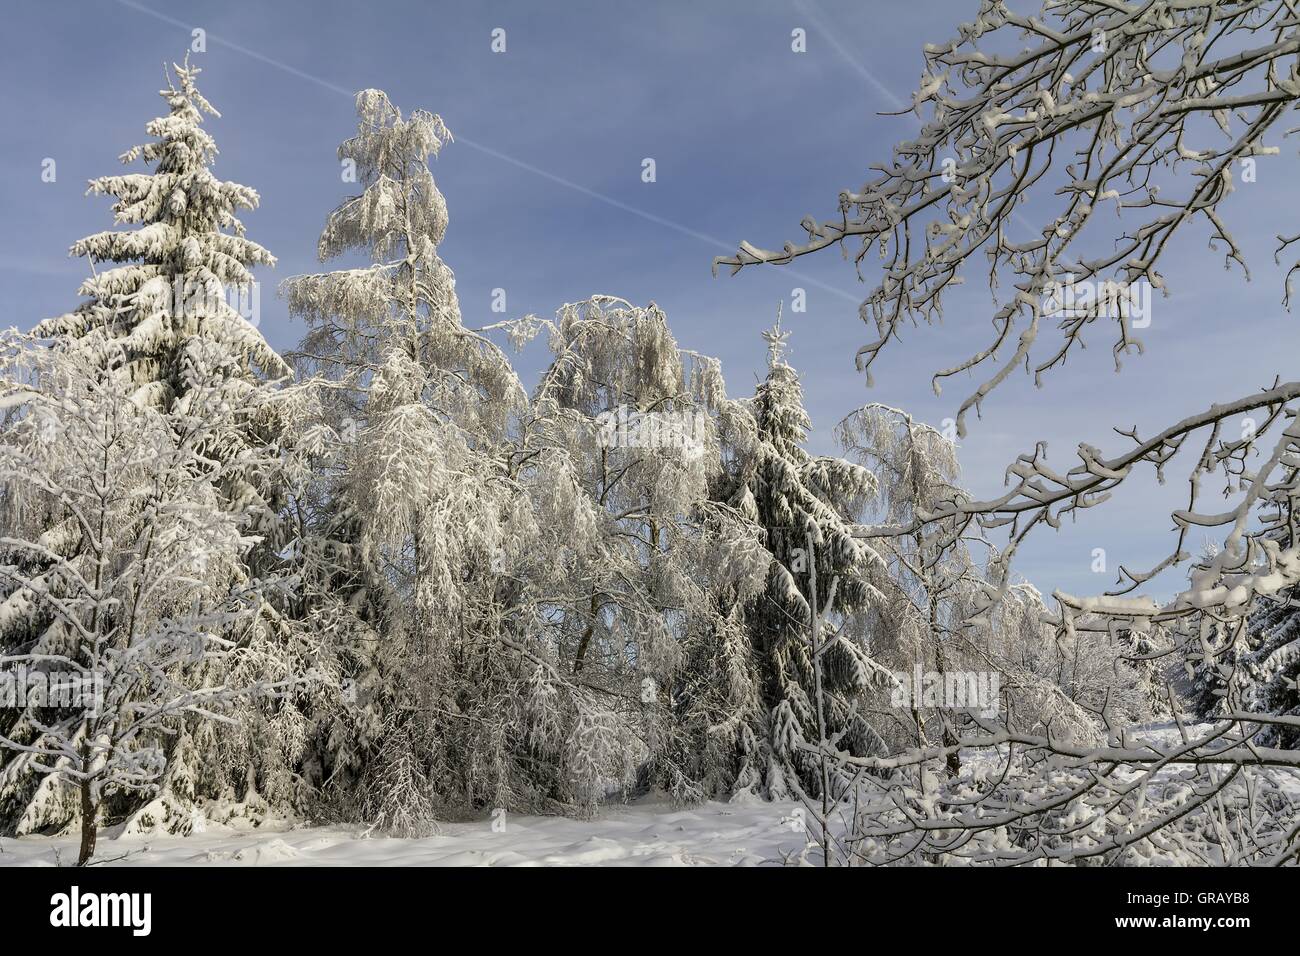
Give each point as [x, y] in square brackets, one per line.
[186, 258]
[776, 341]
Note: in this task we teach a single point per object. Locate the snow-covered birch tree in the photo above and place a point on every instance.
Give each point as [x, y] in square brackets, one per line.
[428, 563]
[625, 444]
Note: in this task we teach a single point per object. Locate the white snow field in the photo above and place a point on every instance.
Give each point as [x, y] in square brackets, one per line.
[643, 834]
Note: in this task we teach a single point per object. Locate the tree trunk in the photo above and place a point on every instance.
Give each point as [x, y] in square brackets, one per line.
[586, 636]
[89, 811]
[953, 763]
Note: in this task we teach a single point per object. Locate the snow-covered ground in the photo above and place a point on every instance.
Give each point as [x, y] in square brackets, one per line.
[646, 834]
[649, 832]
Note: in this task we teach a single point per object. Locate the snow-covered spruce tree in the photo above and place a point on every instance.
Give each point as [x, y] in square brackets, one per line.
[177, 271]
[1251, 662]
[176, 278]
[803, 501]
[1273, 668]
[153, 622]
[1254, 661]
[647, 573]
[1157, 106]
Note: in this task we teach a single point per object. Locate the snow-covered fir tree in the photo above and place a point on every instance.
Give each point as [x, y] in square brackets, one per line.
[182, 271]
[1273, 670]
[172, 289]
[808, 507]
[1250, 663]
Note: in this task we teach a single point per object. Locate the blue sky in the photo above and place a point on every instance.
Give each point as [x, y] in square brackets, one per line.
[547, 201]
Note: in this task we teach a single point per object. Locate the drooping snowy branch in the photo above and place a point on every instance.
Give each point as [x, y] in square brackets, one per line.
[1092, 107]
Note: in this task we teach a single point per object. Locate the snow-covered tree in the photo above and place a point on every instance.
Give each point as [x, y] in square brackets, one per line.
[924, 579]
[154, 617]
[428, 566]
[808, 507]
[182, 271]
[403, 503]
[946, 607]
[1273, 669]
[626, 433]
[172, 289]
